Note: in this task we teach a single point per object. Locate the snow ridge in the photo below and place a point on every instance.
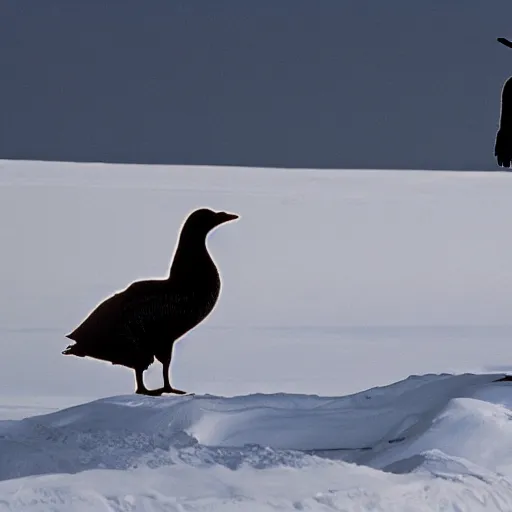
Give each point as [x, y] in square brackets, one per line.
[361, 449]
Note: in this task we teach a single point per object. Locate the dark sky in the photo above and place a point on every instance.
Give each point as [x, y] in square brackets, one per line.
[292, 83]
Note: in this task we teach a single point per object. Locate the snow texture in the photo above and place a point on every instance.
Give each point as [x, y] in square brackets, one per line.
[418, 444]
[349, 364]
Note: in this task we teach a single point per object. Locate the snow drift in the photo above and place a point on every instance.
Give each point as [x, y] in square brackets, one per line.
[431, 430]
[399, 274]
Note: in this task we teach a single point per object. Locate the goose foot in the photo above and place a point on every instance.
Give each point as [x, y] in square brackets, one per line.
[150, 392]
[169, 389]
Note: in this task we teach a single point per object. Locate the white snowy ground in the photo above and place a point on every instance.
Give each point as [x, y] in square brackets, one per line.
[334, 283]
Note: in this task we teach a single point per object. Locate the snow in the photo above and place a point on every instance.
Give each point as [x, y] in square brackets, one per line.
[412, 445]
[350, 363]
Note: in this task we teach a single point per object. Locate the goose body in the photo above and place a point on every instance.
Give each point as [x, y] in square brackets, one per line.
[503, 144]
[503, 141]
[142, 322]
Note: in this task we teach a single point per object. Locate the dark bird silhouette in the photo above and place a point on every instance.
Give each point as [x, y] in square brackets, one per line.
[503, 144]
[142, 322]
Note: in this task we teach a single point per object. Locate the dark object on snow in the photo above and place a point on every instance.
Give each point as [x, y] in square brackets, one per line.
[503, 145]
[506, 378]
[142, 322]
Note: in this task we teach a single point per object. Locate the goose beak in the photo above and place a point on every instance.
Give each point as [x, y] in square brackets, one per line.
[225, 217]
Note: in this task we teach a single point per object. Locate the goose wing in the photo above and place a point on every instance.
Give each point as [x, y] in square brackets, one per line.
[117, 310]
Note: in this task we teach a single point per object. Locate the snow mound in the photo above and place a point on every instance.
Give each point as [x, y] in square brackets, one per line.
[450, 434]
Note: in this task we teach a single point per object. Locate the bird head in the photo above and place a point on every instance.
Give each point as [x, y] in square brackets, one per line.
[203, 220]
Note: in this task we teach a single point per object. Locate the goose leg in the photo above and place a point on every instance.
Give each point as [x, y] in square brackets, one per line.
[142, 389]
[166, 363]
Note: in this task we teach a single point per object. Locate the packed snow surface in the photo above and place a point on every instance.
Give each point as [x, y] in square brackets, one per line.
[414, 445]
[347, 366]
